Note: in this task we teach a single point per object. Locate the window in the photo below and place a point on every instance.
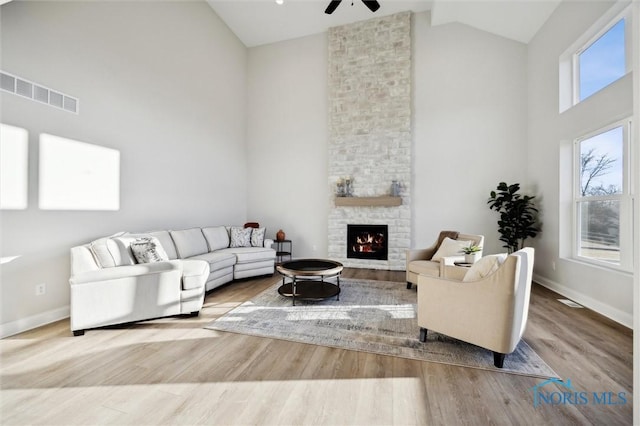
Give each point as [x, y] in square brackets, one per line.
[601, 56]
[602, 62]
[602, 197]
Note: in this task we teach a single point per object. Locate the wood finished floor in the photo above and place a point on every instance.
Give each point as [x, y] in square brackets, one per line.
[172, 371]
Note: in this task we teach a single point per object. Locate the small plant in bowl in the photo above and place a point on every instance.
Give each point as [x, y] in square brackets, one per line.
[471, 253]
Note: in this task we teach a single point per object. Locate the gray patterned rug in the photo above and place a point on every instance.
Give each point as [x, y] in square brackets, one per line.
[371, 316]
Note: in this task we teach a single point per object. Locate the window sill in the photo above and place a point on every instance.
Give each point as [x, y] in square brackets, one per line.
[599, 265]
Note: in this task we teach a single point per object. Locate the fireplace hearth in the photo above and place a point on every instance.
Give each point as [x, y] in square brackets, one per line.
[367, 242]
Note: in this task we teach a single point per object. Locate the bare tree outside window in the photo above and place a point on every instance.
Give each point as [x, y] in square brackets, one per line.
[599, 206]
[593, 166]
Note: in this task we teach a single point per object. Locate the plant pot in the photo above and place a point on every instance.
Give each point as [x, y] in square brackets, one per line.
[472, 257]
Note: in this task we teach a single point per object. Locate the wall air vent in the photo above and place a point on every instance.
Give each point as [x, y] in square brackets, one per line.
[28, 89]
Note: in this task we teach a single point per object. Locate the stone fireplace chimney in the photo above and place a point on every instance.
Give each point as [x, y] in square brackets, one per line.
[370, 131]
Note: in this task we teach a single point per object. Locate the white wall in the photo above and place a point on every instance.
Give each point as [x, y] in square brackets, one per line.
[604, 290]
[470, 129]
[163, 83]
[287, 134]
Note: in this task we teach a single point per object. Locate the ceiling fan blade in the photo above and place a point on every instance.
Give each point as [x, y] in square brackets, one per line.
[373, 5]
[332, 6]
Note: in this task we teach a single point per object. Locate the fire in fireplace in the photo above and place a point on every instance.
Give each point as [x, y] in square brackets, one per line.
[367, 242]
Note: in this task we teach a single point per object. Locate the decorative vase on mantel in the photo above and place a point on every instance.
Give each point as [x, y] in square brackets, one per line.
[395, 188]
[280, 235]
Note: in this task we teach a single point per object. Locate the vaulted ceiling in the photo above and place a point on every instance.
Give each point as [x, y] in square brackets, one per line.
[258, 22]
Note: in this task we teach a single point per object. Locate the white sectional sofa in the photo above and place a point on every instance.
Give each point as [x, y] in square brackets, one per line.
[109, 285]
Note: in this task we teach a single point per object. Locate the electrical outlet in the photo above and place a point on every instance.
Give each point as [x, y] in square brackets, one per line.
[41, 289]
[314, 248]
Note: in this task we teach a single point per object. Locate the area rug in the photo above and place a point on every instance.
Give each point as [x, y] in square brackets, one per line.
[371, 316]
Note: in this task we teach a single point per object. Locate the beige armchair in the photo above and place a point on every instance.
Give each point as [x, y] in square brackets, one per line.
[490, 312]
[419, 261]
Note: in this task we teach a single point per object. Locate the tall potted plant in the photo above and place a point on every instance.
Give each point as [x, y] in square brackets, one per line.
[518, 215]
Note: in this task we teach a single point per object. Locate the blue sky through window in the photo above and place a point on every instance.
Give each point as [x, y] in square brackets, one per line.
[603, 62]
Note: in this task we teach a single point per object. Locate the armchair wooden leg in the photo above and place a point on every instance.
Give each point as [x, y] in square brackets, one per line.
[498, 359]
[423, 334]
[408, 285]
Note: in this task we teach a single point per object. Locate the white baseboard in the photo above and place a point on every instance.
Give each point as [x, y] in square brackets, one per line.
[617, 315]
[29, 323]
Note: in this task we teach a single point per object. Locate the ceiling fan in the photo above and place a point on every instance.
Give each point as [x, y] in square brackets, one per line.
[373, 5]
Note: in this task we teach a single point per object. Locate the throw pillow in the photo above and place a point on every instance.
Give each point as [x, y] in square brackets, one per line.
[257, 237]
[148, 250]
[446, 234]
[240, 237]
[484, 267]
[450, 247]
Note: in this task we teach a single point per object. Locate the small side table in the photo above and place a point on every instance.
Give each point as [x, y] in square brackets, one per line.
[457, 271]
[284, 248]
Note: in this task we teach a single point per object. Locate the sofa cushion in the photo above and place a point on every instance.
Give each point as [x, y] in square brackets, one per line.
[101, 253]
[484, 267]
[106, 251]
[240, 237]
[450, 247]
[194, 274]
[251, 254]
[217, 237]
[166, 242]
[257, 237]
[148, 250]
[189, 242]
[425, 267]
[217, 260]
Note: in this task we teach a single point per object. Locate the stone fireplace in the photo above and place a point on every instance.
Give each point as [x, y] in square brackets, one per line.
[369, 81]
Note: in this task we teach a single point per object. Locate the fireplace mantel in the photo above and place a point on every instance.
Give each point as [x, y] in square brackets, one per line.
[384, 201]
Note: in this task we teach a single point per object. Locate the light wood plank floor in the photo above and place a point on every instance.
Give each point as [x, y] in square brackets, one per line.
[172, 371]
